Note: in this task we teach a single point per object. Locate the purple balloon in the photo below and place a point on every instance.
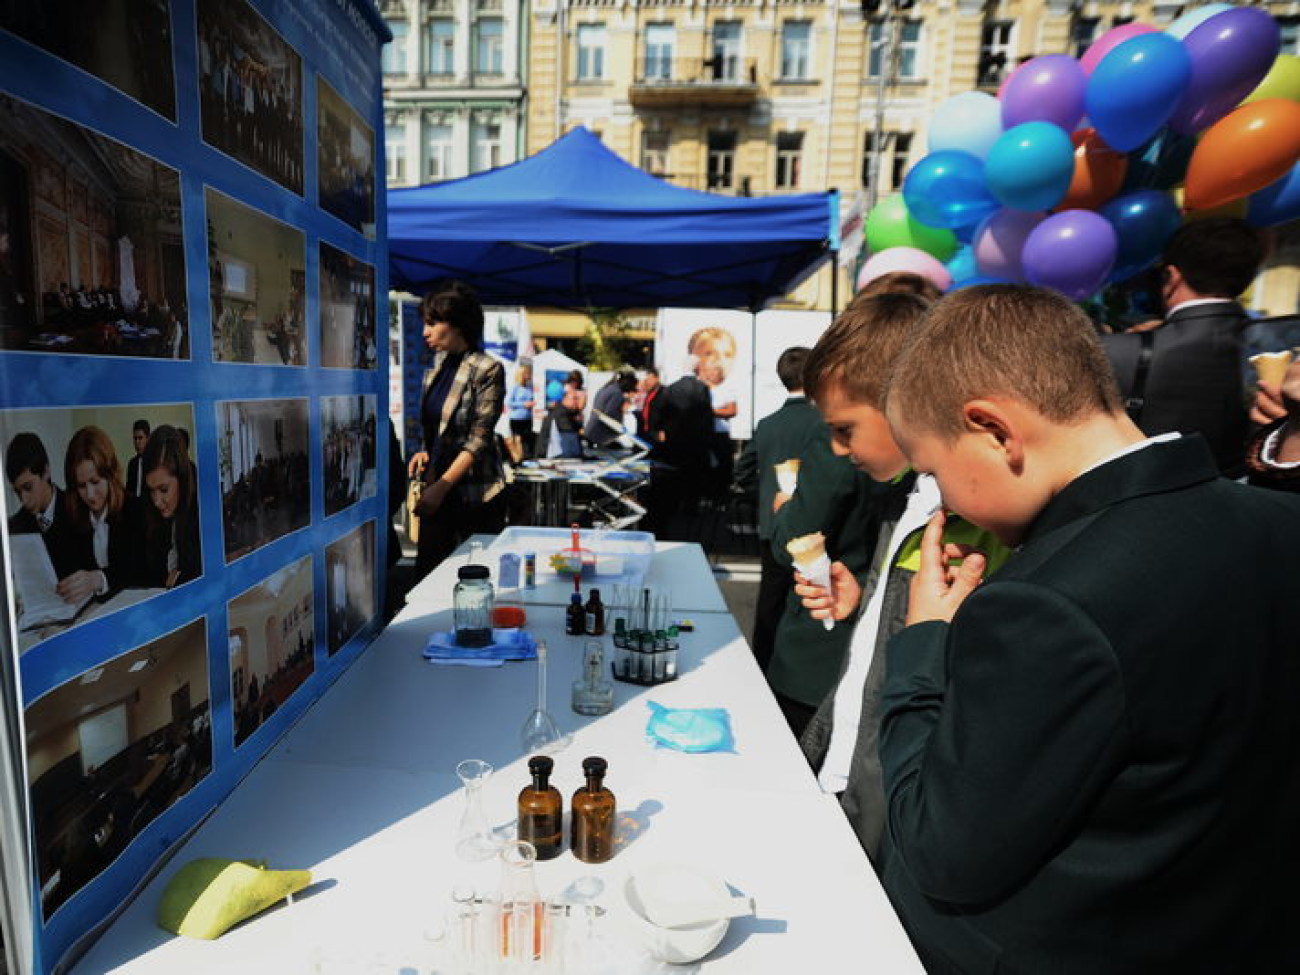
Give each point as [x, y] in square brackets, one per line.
[1231, 53]
[1000, 241]
[1046, 89]
[1071, 252]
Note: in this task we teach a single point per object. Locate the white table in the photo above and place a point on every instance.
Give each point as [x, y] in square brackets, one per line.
[363, 791]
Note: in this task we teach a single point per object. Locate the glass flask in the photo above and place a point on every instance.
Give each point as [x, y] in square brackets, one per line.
[471, 606]
[540, 732]
[593, 694]
[523, 914]
[474, 837]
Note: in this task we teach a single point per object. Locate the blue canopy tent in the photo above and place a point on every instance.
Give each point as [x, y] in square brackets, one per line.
[576, 226]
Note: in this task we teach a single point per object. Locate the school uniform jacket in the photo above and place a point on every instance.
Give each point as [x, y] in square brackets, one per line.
[1094, 767]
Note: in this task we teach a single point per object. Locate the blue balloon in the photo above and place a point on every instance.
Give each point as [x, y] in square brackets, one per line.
[971, 122]
[1136, 87]
[947, 189]
[962, 266]
[1143, 222]
[1030, 167]
[978, 279]
[1276, 203]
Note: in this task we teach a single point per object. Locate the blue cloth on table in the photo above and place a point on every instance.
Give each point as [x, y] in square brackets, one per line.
[507, 644]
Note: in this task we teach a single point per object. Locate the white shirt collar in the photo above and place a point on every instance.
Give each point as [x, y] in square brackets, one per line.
[1132, 449]
[1194, 302]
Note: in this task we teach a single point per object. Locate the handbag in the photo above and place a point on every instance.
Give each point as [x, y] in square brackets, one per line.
[413, 492]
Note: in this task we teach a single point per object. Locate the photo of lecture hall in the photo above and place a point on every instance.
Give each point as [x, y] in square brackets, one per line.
[265, 480]
[110, 749]
[346, 156]
[348, 440]
[350, 584]
[347, 311]
[92, 258]
[272, 642]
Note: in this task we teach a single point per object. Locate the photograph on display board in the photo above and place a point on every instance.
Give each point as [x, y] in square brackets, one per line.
[92, 258]
[348, 425]
[109, 750]
[105, 510]
[272, 636]
[347, 311]
[258, 285]
[250, 91]
[350, 584]
[265, 476]
[346, 155]
[128, 45]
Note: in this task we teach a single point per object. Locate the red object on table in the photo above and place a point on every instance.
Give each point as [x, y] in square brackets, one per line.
[505, 617]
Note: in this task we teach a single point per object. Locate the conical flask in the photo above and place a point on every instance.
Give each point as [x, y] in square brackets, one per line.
[474, 838]
[540, 734]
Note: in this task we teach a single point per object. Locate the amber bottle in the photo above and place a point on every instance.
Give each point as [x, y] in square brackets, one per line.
[541, 810]
[592, 815]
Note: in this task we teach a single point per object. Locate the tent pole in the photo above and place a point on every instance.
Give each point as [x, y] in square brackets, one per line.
[835, 282]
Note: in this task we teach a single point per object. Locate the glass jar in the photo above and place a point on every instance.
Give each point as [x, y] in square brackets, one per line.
[471, 603]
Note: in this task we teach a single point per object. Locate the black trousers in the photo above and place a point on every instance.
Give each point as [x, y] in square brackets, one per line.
[451, 524]
[774, 587]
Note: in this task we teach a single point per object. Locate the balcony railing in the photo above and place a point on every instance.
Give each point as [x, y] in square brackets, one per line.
[721, 80]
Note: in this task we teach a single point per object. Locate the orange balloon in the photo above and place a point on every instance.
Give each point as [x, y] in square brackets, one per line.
[1098, 172]
[1244, 151]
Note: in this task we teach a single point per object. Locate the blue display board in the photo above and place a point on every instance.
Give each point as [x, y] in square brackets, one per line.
[191, 406]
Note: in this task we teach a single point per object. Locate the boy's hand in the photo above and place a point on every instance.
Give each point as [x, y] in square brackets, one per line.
[1274, 401]
[938, 588]
[837, 603]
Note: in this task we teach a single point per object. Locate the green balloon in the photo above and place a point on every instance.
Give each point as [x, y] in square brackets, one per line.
[889, 224]
[1282, 81]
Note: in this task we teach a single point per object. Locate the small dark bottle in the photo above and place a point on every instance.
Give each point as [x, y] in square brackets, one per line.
[575, 619]
[541, 810]
[595, 612]
[592, 815]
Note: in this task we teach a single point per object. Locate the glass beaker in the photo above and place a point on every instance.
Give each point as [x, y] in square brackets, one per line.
[474, 838]
[523, 915]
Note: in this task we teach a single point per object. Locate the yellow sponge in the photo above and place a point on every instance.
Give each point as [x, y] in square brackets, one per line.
[206, 897]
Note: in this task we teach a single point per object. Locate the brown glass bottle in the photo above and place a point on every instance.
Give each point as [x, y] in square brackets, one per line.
[541, 810]
[592, 815]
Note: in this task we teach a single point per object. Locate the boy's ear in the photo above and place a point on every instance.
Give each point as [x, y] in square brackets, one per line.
[997, 425]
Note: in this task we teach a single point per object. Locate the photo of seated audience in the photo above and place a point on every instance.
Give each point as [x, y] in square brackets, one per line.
[346, 157]
[265, 481]
[127, 45]
[110, 749]
[84, 544]
[347, 311]
[257, 284]
[350, 584]
[92, 259]
[272, 639]
[348, 441]
[250, 91]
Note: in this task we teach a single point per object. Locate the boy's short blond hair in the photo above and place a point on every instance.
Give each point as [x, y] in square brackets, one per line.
[860, 347]
[1015, 341]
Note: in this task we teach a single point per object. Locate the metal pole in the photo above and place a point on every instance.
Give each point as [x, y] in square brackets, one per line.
[886, 45]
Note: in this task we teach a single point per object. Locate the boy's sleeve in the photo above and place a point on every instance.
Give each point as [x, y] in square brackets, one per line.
[998, 733]
[825, 493]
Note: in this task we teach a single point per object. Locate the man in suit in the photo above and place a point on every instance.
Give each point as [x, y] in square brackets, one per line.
[1185, 375]
[681, 459]
[42, 509]
[785, 435]
[1091, 758]
[134, 474]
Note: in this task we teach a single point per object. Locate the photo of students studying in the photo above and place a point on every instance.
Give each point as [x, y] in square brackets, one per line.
[109, 750]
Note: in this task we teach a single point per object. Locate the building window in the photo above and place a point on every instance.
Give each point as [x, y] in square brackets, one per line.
[437, 152]
[796, 38]
[907, 63]
[722, 160]
[895, 149]
[1082, 33]
[442, 47]
[789, 150]
[395, 152]
[591, 52]
[995, 51]
[1290, 27]
[394, 59]
[488, 47]
[654, 152]
[725, 62]
[898, 163]
[487, 146]
[659, 52]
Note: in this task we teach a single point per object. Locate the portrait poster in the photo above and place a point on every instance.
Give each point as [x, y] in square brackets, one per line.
[188, 309]
[775, 331]
[716, 346]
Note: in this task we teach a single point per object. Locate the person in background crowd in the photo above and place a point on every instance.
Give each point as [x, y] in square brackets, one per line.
[681, 462]
[98, 514]
[463, 396]
[575, 397]
[1185, 374]
[897, 283]
[1090, 758]
[520, 404]
[1273, 452]
[42, 507]
[134, 475]
[172, 551]
[649, 407]
[610, 402]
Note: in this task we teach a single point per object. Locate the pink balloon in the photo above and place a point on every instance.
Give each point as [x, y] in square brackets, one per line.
[907, 259]
[1110, 40]
[1000, 239]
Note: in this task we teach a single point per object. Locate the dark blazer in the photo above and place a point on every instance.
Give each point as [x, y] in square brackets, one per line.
[609, 400]
[469, 418]
[1096, 766]
[687, 425]
[782, 435]
[125, 544]
[60, 538]
[132, 474]
[158, 539]
[1194, 383]
[649, 419]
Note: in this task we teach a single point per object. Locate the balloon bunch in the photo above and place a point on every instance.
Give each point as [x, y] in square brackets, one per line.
[1080, 170]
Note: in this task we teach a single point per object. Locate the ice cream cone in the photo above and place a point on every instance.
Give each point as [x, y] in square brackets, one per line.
[1271, 366]
[809, 555]
[787, 475]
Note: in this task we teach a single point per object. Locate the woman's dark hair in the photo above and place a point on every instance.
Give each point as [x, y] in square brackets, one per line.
[575, 377]
[166, 450]
[457, 304]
